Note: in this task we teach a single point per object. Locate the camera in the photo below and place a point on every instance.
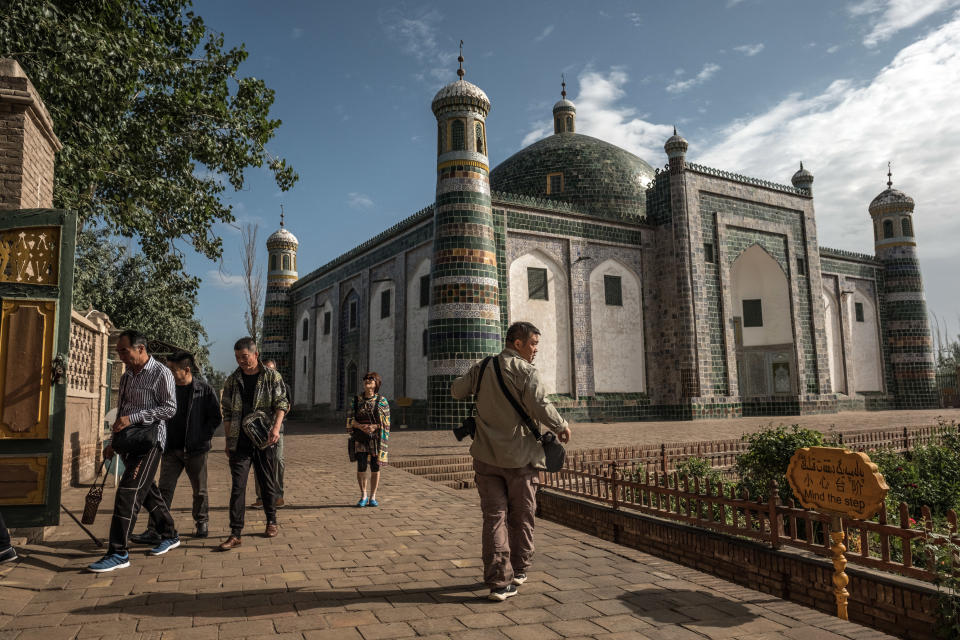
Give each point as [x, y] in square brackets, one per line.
[467, 428]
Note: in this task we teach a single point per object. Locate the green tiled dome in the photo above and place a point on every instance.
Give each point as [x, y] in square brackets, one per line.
[598, 177]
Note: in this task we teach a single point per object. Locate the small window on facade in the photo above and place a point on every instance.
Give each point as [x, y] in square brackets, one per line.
[801, 267]
[441, 139]
[273, 262]
[479, 132]
[858, 311]
[326, 323]
[294, 263]
[558, 125]
[569, 123]
[708, 252]
[876, 232]
[286, 262]
[353, 314]
[887, 229]
[424, 342]
[424, 290]
[752, 313]
[305, 331]
[458, 136]
[385, 304]
[304, 364]
[537, 284]
[906, 227]
[554, 183]
[351, 379]
[613, 291]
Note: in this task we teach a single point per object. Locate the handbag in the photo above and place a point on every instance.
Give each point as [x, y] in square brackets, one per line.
[352, 448]
[135, 440]
[94, 496]
[553, 451]
[257, 428]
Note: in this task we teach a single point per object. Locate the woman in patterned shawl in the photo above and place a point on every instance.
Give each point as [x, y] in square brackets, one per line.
[369, 426]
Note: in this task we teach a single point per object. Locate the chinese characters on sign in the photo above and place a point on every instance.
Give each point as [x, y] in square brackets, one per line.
[837, 481]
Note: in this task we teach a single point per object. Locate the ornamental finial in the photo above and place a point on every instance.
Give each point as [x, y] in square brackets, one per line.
[281, 216]
[460, 71]
[563, 87]
[889, 177]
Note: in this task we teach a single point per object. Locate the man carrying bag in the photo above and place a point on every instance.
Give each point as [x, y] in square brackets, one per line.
[507, 454]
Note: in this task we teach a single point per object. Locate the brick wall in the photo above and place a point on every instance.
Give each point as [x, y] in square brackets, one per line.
[896, 605]
[27, 142]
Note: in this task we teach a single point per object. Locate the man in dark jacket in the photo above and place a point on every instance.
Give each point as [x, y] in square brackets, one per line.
[188, 441]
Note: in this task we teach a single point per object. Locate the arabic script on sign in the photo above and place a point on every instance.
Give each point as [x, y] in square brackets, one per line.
[837, 480]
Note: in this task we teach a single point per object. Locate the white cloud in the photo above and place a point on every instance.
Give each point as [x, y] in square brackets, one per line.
[543, 34]
[635, 19]
[887, 17]
[418, 37]
[733, 3]
[600, 115]
[750, 49]
[359, 200]
[846, 135]
[223, 280]
[833, 49]
[705, 74]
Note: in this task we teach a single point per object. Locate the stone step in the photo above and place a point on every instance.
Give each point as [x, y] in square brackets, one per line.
[444, 477]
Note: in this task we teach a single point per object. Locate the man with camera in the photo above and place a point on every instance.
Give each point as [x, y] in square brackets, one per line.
[507, 454]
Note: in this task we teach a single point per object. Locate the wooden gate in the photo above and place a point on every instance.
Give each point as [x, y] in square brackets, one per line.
[36, 290]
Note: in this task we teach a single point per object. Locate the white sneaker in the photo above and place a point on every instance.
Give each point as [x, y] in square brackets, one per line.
[519, 578]
[503, 593]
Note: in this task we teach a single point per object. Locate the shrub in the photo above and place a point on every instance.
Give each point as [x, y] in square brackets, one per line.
[769, 456]
[695, 467]
[928, 475]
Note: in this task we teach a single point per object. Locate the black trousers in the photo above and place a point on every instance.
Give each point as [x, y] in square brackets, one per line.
[264, 468]
[172, 464]
[4, 534]
[137, 489]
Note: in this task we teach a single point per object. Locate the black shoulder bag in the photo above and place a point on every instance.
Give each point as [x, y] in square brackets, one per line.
[469, 425]
[552, 449]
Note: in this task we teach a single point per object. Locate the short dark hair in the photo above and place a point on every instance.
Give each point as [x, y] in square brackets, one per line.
[269, 361]
[245, 344]
[134, 337]
[181, 357]
[521, 331]
[377, 380]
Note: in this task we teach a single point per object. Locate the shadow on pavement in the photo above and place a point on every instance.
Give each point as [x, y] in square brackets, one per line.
[686, 606]
[236, 603]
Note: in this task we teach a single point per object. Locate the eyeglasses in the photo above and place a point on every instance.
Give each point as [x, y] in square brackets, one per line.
[369, 379]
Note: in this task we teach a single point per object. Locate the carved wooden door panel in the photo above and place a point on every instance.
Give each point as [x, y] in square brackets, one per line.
[36, 290]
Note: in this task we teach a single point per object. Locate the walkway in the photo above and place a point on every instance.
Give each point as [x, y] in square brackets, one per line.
[409, 568]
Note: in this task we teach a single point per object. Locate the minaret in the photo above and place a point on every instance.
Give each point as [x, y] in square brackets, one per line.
[905, 322]
[277, 324]
[803, 179]
[464, 320]
[564, 112]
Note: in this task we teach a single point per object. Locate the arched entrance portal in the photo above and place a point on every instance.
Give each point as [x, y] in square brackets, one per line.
[763, 327]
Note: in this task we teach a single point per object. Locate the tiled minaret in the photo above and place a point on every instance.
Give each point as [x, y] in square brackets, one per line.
[564, 112]
[464, 321]
[906, 325]
[281, 273]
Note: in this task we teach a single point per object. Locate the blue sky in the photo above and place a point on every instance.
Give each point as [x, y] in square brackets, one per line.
[755, 86]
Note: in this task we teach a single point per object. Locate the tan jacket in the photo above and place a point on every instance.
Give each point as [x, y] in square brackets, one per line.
[502, 439]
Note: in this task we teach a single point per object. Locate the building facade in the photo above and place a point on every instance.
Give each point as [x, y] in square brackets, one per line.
[681, 292]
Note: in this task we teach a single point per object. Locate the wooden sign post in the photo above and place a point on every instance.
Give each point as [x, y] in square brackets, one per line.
[404, 402]
[838, 482]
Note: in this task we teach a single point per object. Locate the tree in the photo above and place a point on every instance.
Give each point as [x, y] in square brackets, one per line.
[152, 113]
[252, 280]
[137, 293]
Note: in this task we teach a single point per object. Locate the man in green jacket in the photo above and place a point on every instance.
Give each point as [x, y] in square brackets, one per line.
[507, 456]
[249, 389]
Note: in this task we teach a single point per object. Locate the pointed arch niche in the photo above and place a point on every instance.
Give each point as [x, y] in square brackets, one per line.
[548, 307]
[417, 315]
[831, 308]
[761, 309]
[301, 363]
[616, 315]
[382, 323]
[323, 363]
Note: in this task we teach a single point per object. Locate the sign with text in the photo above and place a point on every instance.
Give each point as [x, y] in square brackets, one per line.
[837, 481]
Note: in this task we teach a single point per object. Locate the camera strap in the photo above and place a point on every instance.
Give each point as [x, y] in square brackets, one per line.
[516, 405]
[483, 366]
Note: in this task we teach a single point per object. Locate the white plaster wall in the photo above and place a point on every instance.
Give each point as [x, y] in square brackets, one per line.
[323, 363]
[301, 386]
[618, 340]
[551, 317]
[756, 275]
[382, 332]
[866, 343]
[834, 338]
[416, 323]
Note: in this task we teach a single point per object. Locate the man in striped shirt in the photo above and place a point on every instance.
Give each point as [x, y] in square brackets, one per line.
[147, 398]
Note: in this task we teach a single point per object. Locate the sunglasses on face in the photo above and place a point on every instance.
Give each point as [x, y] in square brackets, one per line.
[369, 379]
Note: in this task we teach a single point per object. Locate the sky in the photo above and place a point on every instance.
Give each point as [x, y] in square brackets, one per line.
[755, 86]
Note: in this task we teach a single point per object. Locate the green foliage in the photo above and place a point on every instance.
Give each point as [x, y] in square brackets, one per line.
[156, 299]
[215, 378]
[927, 475]
[769, 456]
[695, 467]
[152, 113]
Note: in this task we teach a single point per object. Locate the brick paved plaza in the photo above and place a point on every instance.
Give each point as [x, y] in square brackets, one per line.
[408, 568]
